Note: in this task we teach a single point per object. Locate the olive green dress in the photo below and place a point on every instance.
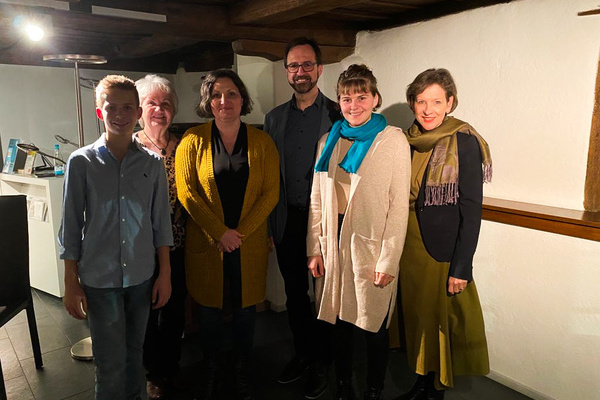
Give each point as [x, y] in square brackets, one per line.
[444, 334]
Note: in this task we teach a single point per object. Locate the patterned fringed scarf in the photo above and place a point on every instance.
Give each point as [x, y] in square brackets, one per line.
[441, 184]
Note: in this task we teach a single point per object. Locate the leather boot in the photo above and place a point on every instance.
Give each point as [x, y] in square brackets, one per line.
[344, 389]
[243, 387]
[210, 387]
[432, 392]
[417, 392]
[372, 394]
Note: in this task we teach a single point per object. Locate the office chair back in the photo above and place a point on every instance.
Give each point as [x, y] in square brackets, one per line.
[15, 293]
[14, 250]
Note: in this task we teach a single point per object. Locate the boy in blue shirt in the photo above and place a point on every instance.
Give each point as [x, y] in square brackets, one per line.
[115, 220]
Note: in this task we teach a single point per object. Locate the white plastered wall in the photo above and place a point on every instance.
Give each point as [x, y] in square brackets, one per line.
[525, 73]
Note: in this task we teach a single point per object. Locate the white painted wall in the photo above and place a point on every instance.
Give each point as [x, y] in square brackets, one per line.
[257, 75]
[526, 74]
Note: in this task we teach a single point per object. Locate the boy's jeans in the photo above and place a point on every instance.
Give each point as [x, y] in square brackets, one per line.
[117, 318]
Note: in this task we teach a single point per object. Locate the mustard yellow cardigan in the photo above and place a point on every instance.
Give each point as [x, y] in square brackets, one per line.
[197, 190]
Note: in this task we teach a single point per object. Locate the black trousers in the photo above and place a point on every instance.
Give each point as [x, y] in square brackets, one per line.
[162, 345]
[377, 352]
[213, 330]
[311, 337]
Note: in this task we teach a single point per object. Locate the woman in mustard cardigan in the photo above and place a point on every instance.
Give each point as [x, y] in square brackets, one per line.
[228, 181]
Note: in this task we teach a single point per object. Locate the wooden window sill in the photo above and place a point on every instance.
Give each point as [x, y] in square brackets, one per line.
[580, 224]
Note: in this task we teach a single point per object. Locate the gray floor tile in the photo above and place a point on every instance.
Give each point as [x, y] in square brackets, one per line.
[87, 395]
[18, 389]
[51, 337]
[17, 319]
[11, 368]
[61, 377]
[66, 379]
[76, 332]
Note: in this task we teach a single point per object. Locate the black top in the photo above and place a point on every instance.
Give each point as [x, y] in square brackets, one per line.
[450, 232]
[301, 137]
[231, 173]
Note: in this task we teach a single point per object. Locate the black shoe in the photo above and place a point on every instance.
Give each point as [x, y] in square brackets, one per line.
[344, 389]
[372, 394]
[243, 388]
[432, 392]
[210, 386]
[316, 382]
[293, 370]
[417, 392]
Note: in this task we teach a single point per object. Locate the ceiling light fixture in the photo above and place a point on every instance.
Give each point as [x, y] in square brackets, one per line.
[34, 32]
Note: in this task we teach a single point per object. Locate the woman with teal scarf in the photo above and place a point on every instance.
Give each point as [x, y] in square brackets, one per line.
[357, 224]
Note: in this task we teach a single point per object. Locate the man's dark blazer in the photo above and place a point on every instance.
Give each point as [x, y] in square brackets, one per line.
[450, 232]
[275, 124]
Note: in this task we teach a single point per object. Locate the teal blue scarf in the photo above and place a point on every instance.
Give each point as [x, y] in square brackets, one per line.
[363, 137]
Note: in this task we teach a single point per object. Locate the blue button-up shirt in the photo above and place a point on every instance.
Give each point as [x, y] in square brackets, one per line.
[115, 214]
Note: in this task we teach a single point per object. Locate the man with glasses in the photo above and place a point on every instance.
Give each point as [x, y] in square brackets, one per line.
[296, 127]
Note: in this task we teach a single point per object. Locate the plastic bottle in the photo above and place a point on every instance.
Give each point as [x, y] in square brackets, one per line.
[59, 166]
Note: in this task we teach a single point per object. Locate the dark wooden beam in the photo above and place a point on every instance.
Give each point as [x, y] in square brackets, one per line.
[275, 51]
[276, 11]
[589, 12]
[591, 196]
[436, 10]
[152, 45]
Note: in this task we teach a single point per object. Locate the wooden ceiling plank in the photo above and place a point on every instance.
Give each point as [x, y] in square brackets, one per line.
[277, 11]
[275, 51]
[152, 45]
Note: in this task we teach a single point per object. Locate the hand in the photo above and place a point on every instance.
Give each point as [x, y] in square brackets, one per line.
[382, 280]
[455, 285]
[316, 266]
[74, 299]
[161, 291]
[230, 241]
[271, 243]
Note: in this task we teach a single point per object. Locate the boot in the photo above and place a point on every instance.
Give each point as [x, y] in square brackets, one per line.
[344, 389]
[210, 385]
[243, 387]
[372, 394]
[432, 392]
[417, 392]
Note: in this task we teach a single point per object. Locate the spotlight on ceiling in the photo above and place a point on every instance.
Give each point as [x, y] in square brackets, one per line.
[34, 32]
[34, 26]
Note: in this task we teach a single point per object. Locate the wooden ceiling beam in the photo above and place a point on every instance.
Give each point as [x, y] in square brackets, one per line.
[152, 45]
[263, 12]
[275, 51]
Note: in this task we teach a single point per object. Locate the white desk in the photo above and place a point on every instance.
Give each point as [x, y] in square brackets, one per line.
[46, 269]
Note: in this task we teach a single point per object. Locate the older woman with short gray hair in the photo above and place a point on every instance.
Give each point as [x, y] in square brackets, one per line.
[162, 347]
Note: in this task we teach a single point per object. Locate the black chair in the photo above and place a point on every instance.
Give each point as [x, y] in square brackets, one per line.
[15, 291]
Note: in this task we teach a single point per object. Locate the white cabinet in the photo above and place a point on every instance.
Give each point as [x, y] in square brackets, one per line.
[46, 269]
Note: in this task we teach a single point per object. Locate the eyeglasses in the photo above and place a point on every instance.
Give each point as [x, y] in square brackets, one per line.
[306, 66]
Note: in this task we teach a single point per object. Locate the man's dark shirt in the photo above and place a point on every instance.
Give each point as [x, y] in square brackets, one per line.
[301, 136]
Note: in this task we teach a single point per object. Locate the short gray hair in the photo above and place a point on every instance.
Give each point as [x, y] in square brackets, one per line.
[151, 83]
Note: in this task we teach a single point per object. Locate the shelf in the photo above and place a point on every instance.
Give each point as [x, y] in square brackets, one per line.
[580, 224]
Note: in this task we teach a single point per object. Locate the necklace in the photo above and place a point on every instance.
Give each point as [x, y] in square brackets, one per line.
[163, 150]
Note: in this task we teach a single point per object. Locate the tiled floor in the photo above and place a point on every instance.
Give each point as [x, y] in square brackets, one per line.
[64, 378]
